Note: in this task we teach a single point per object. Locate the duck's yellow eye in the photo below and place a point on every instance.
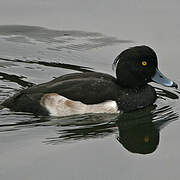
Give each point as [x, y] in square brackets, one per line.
[144, 63]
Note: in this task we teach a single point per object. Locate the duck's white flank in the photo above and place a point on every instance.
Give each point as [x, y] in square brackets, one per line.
[58, 105]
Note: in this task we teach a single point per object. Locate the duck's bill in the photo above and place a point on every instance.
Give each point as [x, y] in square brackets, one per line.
[161, 79]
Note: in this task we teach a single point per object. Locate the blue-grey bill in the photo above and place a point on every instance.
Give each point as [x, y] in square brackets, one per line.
[161, 79]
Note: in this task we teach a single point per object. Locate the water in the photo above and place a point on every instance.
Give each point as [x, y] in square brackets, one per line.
[61, 37]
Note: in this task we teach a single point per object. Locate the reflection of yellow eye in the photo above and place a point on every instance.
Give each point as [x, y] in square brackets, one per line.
[146, 139]
[144, 63]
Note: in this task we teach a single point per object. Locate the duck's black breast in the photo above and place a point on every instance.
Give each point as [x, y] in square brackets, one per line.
[89, 88]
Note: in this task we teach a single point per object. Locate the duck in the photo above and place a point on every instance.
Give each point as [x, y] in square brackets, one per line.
[96, 92]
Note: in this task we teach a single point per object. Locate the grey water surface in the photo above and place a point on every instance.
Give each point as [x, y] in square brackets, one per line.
[41, 40]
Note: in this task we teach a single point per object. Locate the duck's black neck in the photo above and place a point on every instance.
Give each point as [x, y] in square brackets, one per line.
[136, 98]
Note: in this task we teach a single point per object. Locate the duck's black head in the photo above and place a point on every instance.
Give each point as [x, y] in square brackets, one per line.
[137, 66]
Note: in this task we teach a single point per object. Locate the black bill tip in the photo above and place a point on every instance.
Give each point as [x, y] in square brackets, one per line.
[174, 85]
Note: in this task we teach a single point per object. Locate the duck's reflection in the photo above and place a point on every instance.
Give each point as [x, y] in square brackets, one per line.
[139, 138]
[138, 132]
[141, 133]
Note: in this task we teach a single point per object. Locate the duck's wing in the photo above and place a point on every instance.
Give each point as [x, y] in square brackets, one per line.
[87, 89]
